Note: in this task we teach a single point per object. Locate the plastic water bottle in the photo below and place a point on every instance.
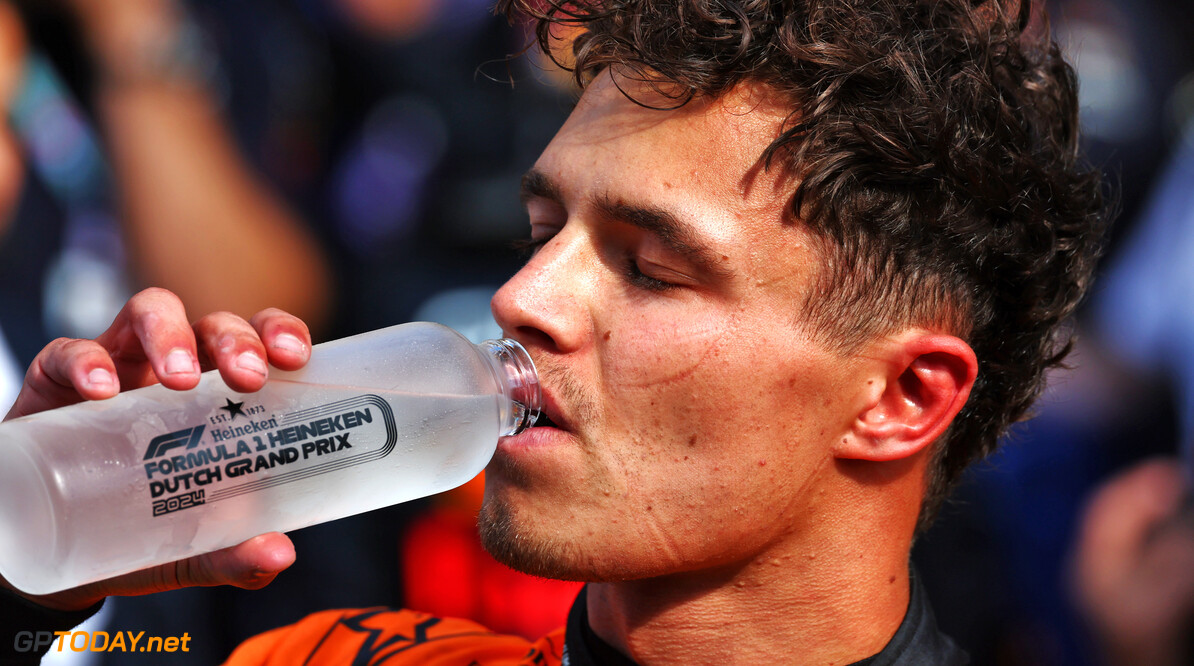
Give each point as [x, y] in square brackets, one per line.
[153, 475]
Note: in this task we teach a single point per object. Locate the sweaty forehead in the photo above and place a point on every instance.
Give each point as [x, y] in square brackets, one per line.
[749, 116]
[709, 148]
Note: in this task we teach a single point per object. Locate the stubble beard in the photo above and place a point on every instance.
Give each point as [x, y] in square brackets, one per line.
[524, 543]
[515, 545]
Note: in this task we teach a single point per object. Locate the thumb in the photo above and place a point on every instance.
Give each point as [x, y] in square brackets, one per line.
[250, 565]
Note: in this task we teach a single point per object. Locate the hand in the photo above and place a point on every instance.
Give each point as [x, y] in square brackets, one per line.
[150, 341]
[1134, 566]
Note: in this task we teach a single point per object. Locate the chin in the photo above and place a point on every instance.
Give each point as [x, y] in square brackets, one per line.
[538, 552]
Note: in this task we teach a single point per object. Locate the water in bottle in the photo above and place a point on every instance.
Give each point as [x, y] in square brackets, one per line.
[153, 475]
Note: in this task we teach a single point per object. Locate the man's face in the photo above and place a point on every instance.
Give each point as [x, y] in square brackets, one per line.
[693, 415]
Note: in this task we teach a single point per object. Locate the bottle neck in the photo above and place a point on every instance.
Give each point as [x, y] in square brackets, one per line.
[518, 381]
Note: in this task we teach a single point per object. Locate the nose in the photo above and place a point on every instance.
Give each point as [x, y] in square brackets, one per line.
[543, 304]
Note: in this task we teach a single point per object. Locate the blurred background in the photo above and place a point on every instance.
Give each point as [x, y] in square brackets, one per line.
[357, 162]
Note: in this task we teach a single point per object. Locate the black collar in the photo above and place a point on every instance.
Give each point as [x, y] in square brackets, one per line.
[918, 641]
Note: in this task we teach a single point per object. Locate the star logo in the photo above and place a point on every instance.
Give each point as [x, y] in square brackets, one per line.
[234, 409]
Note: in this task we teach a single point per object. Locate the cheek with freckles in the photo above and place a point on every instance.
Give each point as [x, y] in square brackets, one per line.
[754, 405]
[643, 351]
[698, 401]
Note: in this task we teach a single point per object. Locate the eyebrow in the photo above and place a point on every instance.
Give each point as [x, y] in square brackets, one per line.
[536, 184]
[664, 225]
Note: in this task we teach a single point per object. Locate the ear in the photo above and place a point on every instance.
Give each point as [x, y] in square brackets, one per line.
[919, 385]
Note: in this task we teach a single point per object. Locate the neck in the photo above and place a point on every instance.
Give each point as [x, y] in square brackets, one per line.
[834, 604]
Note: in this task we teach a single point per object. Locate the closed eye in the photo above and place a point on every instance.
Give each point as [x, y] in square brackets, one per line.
[651, 276]
[527, 247]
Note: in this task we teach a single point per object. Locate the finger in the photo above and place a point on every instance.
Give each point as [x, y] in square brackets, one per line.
[82, 366]
[229, 343]
[287, 339]
[64, 373]
[251, 565]
[153, 327]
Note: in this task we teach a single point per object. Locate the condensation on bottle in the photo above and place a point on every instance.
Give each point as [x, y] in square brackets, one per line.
[153, 475]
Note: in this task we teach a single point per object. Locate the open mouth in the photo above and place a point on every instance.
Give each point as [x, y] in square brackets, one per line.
[551, 415]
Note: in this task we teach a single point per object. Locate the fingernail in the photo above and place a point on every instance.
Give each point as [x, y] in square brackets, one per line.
[251, 362]
[100, 378]
[180, 362]
[290, 343]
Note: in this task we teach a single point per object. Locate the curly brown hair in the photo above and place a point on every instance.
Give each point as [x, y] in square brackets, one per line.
[933, 150]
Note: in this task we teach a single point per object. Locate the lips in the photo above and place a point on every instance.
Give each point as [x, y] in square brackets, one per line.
[549, 432]
[550, 416]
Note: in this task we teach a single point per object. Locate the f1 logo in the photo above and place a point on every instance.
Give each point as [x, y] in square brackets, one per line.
[185, 438]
